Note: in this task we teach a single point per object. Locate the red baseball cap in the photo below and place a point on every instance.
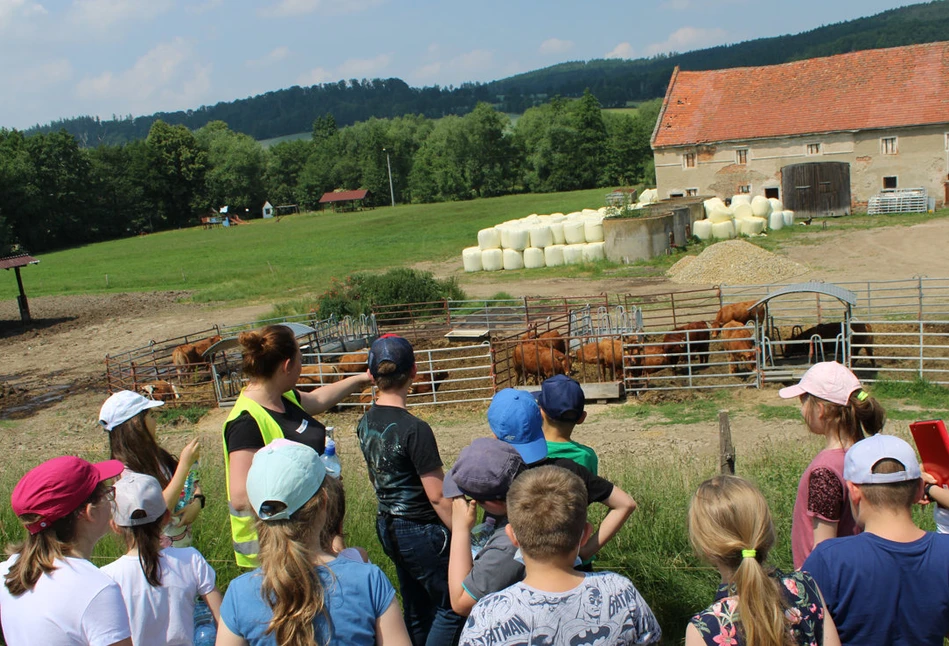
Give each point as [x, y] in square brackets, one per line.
[56, 488]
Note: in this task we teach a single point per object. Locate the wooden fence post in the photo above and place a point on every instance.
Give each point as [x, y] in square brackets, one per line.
[726, 448]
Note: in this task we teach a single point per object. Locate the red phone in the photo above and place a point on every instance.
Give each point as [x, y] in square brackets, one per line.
[932, 440]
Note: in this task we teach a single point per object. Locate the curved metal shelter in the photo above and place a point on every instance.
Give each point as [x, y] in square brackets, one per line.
[845, 296]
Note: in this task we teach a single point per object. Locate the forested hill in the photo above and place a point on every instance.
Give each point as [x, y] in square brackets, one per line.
[613, 82]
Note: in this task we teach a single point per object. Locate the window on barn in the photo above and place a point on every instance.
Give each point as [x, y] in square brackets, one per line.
[888, 145]
[688, 160]
[744, 188]
[772, 192]
[890, 182]
[691, 192]
[741, 156]
[676, 194]
[813, 149]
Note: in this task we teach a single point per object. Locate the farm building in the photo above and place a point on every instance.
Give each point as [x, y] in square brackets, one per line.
[344, 200]
[823, 135]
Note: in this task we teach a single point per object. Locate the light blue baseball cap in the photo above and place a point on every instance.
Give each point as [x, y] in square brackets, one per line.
[515, 418]
[282, 478]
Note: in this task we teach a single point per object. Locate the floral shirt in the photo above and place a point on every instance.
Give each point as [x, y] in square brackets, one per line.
[719, 623]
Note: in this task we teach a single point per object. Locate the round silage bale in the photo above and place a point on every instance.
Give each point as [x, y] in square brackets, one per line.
[557, 217]
[593, 230]
[531, 219]
[702, 229]
[471, 259]
[534, 258]
[553, 255]
[751, 226]
[489, 239]
[513, 259]
[593, 251]
[492, 259]
[517, 238]
[760, 206]
[720, 214]
[776, 220]
[573, 232]
[711, 204]
[741, 198]
[743, 211]
[541, 237]
[776, 204]
[556, 232]
[723, 230]
[789, 218]
[573, 254]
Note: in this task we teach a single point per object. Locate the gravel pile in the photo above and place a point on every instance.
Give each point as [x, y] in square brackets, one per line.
[734, 262]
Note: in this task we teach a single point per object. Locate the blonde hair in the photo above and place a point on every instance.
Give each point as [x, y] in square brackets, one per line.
[547, 508]
[40, 551]
[291, 585]
[728, 515]
[861, 417]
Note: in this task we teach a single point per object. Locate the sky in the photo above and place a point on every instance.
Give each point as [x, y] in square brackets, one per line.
[65, 58]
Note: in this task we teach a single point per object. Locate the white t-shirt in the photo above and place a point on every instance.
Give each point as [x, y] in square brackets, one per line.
[74, 605]
[163, 615]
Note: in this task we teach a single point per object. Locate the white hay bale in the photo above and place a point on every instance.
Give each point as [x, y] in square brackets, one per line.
[789, 218]
[649, 196]
[489, 239]
[492, 259]
[557, 217]
[593, 230]
[711, 204]
[776, 220]
[516, 238]
[703, 229]
[723, 230]
[593, 251]
[720, 214]
[761, 206]
[743, 211]
[573, 217]
[573, 254]
[556, 232]
[553, 255]
[541, 237]
[531, 219]
[513, 259]
[534, 258]
[751, 226]
[741, 198]
[573, 232]
[471, 259]
[776, 204]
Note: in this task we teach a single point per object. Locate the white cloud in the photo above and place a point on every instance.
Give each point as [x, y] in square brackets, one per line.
[315, 76]
[688, 5]
[166, 78]
[688, 38]
[363, 67]
[555, 46]
[428, 71]
[285, 8]
[623, 50]
[11, 10]
[275, 56]
[104, 14]
[477, 60]
[464, 66]
[49, 73]
[204, 7]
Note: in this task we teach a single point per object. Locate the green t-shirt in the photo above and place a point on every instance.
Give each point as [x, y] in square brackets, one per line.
[579, 453]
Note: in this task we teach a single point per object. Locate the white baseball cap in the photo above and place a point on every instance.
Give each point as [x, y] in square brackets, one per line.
[123, 406]
[828, 380]
[138, 500]
[283, 472]
[864, 455]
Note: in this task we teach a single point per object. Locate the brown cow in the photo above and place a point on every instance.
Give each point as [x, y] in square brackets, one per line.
[316, 375]
[739, 343]
[740, 312]
[426, 382]
[542, 361]
[691, 338]
[550, 338]
[190, 356]
[353, 363]
[159, 390]
[605, 353]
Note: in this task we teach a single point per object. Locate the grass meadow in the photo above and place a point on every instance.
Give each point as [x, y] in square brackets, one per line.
[652, 549]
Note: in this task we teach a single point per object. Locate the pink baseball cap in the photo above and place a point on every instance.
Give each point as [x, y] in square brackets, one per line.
[56, 488]
[827, 380]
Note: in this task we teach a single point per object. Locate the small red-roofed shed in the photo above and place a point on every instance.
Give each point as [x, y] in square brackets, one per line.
[344, 200]
[14, 263]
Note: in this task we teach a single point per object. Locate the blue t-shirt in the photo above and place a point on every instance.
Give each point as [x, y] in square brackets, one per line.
[882, 592]
[356, 595]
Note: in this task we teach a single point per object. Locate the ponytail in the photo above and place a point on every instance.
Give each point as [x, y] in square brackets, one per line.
[861, 417]
[291, 585]
[147, 539]
[264, 350]
[39, 552]
[730, 525]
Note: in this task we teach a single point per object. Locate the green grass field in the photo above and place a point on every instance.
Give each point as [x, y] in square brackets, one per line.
[283, 259]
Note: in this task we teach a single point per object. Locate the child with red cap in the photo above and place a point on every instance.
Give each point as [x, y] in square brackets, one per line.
[51, 593]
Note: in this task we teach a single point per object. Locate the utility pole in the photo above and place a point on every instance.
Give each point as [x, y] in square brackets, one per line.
[389, 166]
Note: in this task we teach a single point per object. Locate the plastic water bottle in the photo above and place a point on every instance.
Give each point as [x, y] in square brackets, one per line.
[330, 461]
[481, 534]
[205, 630]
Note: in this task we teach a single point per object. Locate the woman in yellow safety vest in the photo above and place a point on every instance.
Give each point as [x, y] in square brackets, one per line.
[270, 407]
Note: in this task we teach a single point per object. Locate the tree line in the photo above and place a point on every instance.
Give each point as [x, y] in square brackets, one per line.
[615, 83]
[55, 193]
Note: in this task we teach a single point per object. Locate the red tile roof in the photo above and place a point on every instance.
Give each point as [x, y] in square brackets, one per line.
[343, 196]
[17, 261]
[877, 88]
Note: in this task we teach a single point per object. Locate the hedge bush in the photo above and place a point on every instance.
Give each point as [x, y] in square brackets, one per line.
[360, 292]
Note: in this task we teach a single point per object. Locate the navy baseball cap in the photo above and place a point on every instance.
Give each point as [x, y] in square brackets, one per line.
[390, 347]
[514, 417]
[561, 398]
[484, 470]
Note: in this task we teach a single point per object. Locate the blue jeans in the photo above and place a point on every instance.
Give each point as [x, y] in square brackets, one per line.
[420, 554]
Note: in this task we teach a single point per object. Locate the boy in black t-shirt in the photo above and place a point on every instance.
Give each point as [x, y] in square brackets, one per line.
[413, 519]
